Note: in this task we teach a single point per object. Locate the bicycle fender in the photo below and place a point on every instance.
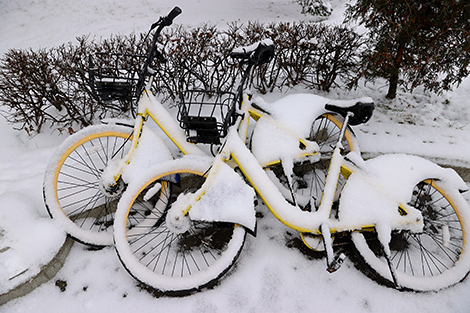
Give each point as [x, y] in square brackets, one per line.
[372, 195]
[227, 199]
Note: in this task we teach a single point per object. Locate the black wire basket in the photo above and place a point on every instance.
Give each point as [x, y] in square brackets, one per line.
[114, 76]
[206, 115]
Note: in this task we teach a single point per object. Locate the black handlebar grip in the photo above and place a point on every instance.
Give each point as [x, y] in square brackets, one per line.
[174, 13]
[168, 20]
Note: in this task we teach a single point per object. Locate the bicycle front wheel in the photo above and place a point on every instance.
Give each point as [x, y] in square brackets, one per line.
[434, 259]
[171, 262]
[72, 189]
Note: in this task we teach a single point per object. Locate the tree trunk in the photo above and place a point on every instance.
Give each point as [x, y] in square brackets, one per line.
[393, 85]
[394, 73]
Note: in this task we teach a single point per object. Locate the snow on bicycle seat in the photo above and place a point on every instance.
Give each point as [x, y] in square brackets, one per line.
[361, 108]
[258, 53]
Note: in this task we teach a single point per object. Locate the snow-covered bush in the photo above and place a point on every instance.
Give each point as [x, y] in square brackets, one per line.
[50, 86]
[316, 7]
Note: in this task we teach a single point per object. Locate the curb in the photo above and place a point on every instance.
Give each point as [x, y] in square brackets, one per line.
[464, 172]
[46, 273]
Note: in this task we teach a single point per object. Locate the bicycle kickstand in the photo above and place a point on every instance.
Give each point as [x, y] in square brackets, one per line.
[386, 253]
[334, 262]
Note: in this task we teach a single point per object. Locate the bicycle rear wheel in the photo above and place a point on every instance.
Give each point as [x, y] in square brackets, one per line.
[72, 189]
[434, 259]
[171, 262]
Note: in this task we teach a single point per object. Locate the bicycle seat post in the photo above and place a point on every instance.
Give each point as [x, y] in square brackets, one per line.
[343, 129]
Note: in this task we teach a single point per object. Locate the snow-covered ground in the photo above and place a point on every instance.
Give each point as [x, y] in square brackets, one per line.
[269, 276]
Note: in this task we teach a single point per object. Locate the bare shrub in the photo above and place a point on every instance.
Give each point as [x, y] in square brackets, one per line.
[50, 86]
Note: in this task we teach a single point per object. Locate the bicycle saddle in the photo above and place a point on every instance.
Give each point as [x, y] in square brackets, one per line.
[258, 53]
[362, 109]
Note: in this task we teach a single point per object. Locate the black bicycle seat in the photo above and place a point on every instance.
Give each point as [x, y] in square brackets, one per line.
[258, 53]
[362, 109]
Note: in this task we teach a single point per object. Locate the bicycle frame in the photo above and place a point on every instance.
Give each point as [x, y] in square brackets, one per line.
[288, 214]
[235, 149]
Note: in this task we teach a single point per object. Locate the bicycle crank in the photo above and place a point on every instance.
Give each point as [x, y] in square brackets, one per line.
[336, 263]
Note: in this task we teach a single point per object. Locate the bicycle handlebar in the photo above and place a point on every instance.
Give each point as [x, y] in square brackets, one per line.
[161, 23]
[167, 20]
[153, 52]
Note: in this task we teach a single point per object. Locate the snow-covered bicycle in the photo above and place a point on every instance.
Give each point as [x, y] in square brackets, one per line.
[405, 215]
[90, 170]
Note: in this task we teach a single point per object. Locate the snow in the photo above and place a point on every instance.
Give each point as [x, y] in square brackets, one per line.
[350, 103]
[268, 277]
[25, 251]
[385, 183]
[276, 136]
[228, 199]
[150, 150]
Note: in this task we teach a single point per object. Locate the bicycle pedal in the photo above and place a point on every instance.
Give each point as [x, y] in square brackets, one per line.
[336, 264]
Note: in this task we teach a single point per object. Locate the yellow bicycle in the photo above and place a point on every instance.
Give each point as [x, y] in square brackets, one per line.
[90, 170]
[405, 215]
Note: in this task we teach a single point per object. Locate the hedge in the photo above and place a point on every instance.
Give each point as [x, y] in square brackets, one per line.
[50, 86]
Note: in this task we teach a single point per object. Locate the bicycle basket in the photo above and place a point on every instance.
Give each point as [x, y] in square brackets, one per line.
[206, 115]
[114, 76]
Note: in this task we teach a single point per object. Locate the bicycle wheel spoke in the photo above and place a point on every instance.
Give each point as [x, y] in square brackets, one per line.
[77, 179]
[439, 244]
[86, 170]
[145, 236]
[121, 148]
[167, 256]
[428, 260]
[87, 200]
[86, 167]
[74, 187]
[89, 212]
[185, 264]
[104, 159]
[92, 165]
